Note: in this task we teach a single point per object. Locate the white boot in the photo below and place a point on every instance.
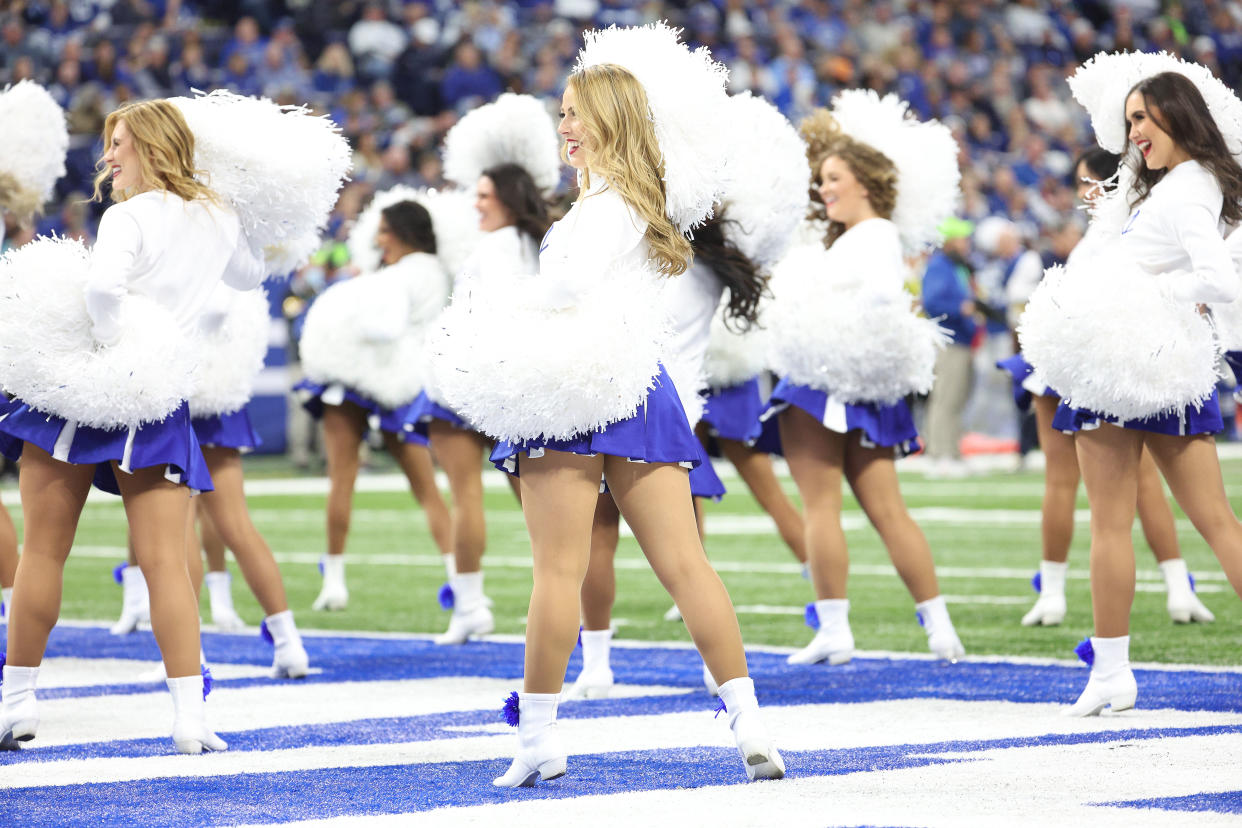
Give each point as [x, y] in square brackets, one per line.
[709, 681]
[1112, 681]
[1183, 605]
[333, 595]
[19, 718]
[471, 617]
[595, 681]
[135, 602]
[1049, 609]
[759, 755]
[540, 755]
[834, 642]
[290, 659]
[6, 603]
[220, 593]
[190, 731]
[942, 639]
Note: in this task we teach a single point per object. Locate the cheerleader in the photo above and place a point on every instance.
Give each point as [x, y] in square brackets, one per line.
[1061, 475]
[507, 152]
[164, 245]
[597, 404]
[1157, 387]
[850, 348]
[368, 331]
[8, 561]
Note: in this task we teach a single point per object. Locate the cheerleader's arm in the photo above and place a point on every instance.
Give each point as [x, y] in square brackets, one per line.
[603, 231]
[246, 269]
[117, 247]
[1212, 277]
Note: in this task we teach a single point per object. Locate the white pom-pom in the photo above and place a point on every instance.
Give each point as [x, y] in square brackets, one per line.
[50, 360]
[513, 129]
[734, 357]
[836, 335]
[279, 167]
[231, 356]
[924, 153]
[570, 372]
[767, 192]
[1228, 316]
[686, 94]
[453, 219]
[1102, 84]
[1108, 340]
[33, 143]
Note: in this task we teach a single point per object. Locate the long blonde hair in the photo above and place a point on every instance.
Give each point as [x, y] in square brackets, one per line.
[164, 145]
[623, 149]
[874, 170]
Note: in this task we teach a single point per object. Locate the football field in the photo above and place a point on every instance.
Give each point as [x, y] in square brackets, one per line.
[388, 724]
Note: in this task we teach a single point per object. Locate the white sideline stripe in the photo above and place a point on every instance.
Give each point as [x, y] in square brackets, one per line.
[638, 563]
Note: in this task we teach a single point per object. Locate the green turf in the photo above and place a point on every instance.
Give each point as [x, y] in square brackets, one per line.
[401, 596]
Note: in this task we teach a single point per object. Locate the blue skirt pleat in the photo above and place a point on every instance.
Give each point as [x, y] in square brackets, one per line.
[233, 430]
[424, 410]
[380, 418]
[1019, 370]
[881, 425]
[731, 413]
[1190, 421]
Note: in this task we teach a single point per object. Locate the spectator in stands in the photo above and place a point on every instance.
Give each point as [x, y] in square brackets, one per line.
[468, 81]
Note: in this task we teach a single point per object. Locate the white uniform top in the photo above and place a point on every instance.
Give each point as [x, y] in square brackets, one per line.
[1093, 240]
[414, 290]
[867, 257]
[690, 300]
[503, 252]
[1176, 231]
[172, 251]
[600, 233]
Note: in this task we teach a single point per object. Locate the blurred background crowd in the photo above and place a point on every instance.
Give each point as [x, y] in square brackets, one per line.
[396, 75]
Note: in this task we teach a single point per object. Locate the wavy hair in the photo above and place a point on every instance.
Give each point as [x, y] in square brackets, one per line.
[623, 150]
[739, 274]
[874, 170]
[164, 145]
[516, 190]
[410, 222]
[1176, 105]
[18, 200]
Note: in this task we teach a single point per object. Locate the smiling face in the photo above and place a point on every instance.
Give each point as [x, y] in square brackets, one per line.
[1158, 148]
[122, 157]
[493, 215]
[392, 249]
[571, 129]
[845, 198]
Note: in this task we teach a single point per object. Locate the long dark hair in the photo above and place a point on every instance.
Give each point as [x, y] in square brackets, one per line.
[1100, 163]
[740, 275]
[410, 222]
[1176, 105]
[516, 190]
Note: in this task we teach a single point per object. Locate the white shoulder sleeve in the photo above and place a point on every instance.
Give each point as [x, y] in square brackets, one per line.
[599, 232]
[117, 246]
[245, 270]
[1212, 276]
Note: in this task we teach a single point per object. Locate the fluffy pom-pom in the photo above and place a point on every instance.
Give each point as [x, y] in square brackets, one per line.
[50, 360]
[734, 357]
[836, 335]
[1103, 82]
[686, 95]
[446, 597]
[1085, 652]
[232, 354]
[1228, 316]
[811, 616]
[118, 572]
[453, 218]
[511, 711]
[924, 153]
[1106, 337]
[513, 129]
[336, 345]
[523, 388]
[279, 166]
[208, 681]
[1037, 582]
[767, 191]
[284, 258]
[33, 145]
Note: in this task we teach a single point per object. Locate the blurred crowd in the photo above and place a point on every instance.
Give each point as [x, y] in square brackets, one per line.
[396, 75]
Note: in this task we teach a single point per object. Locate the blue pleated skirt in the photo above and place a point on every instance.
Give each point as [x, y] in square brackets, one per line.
[1190, 421]
[882, 426]
[424, 410]
[704, 482]
[170, 443]
[316, 395]
[658, 433]
[1234, 360]
[1024, 390]
[731, 413]
[232, 430]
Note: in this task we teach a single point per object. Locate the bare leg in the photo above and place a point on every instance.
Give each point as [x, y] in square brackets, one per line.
[757, 473]
[158, 511]
[343, 428]
[460, 453]
[1154, 512]
[193, 555]
[655, 500]
[599, 588]
[1060, 482]
[415, 462]
[53, 494]
[8, 549]
[213, 546]
[559, 494]
[227, 511]
[816, 458]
